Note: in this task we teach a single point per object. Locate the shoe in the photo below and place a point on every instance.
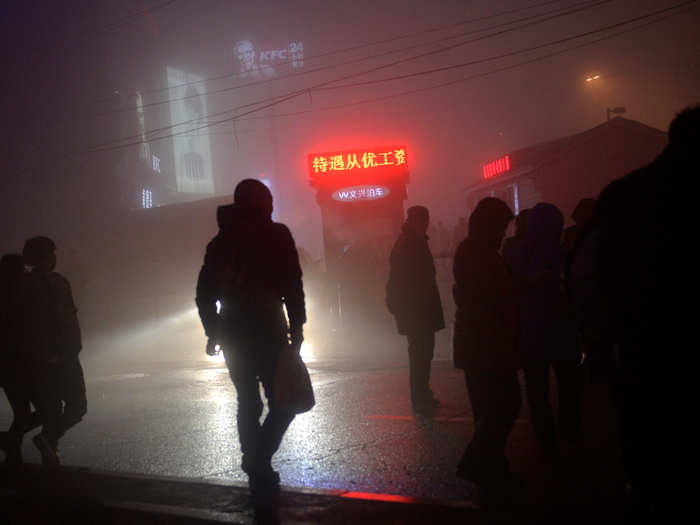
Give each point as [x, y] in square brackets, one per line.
[423, 409]
[12, 447]
[49, 456]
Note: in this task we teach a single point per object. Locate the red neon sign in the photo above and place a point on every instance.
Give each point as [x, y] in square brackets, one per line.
[496, 167]
[379, 161]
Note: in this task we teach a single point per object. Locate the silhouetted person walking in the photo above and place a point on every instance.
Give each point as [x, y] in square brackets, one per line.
[15, 376]
[547, 331]
[485, 338]
[252, 268]
[413, 298]
[55, 342]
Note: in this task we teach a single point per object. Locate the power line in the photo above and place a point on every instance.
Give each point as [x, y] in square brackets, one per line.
[359, 46]
[670, 12]
[128, 18]
[463, 79]
[559, 41]
[505, 55]
[561, 12]
[151, 134]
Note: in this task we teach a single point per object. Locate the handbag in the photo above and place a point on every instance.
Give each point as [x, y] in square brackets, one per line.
[293, 392]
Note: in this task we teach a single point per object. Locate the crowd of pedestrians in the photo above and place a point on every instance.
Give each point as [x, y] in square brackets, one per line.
[540, 303]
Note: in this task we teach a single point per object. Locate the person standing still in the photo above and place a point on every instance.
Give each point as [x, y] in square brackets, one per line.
[413, 298]
[485, 347]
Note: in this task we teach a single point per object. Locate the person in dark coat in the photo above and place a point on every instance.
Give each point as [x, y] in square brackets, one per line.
[547, 331]
[413, 298]
[512, 246]
[640, 218]
[252, 269]
[485, 346]
[15, 376]
[582, 215]
[55, 342]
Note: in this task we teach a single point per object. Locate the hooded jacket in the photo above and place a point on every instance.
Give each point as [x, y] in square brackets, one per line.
[547, 330]
[252, 267]
[486, 321]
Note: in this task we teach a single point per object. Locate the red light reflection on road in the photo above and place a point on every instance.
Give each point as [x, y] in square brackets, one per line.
[379, 497]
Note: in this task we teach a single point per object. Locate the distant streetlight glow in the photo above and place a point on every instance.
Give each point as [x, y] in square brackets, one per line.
[592, 78]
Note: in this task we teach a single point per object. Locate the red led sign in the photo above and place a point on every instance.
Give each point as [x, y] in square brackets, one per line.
[379, 161]
[496, 167]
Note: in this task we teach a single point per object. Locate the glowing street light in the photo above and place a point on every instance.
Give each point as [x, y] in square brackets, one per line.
[592, 78]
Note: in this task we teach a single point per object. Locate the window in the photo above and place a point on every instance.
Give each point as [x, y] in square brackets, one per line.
[146, 198]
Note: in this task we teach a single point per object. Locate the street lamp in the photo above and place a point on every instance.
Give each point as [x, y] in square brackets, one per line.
[618, 110]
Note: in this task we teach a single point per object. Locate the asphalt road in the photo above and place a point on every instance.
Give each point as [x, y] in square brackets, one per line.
[157, 405]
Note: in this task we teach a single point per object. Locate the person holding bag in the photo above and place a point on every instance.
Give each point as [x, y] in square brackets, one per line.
[251, 268]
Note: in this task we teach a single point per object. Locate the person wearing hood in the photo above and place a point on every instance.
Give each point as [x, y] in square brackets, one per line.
[413, 298]
[251, 274]
[547, 331]
[485, 339]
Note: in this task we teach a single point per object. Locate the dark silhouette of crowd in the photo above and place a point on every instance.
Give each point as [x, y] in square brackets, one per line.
[543, 303]
[40, 345]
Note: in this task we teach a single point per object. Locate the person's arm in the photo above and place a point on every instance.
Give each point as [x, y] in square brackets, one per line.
[208, 287]
[68, 339]
[292, 287]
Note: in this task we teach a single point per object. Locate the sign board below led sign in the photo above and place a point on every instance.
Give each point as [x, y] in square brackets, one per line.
[360, 193]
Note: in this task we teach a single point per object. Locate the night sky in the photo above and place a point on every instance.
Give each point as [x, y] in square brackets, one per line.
[65, 60]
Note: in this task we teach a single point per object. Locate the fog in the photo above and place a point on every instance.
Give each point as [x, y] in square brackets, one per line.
[101, 96]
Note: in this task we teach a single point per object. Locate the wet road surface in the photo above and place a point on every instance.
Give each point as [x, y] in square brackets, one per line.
[155, 416]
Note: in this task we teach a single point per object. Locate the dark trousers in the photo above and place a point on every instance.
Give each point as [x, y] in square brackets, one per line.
[61, 397]
[17, 384]
[495, 399]
[569, 376]
[259, 442]
[420, 355]
[23, 419]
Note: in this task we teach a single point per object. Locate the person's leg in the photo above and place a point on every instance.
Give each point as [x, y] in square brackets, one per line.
[476, 396]
[639, 453]
[250, 407]
[420, 355]
[72, 387]
[570, 388]
[537, 390]
[11, 441]
[18, 398]
[48, 402]
[277, 421]
[484, 461]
